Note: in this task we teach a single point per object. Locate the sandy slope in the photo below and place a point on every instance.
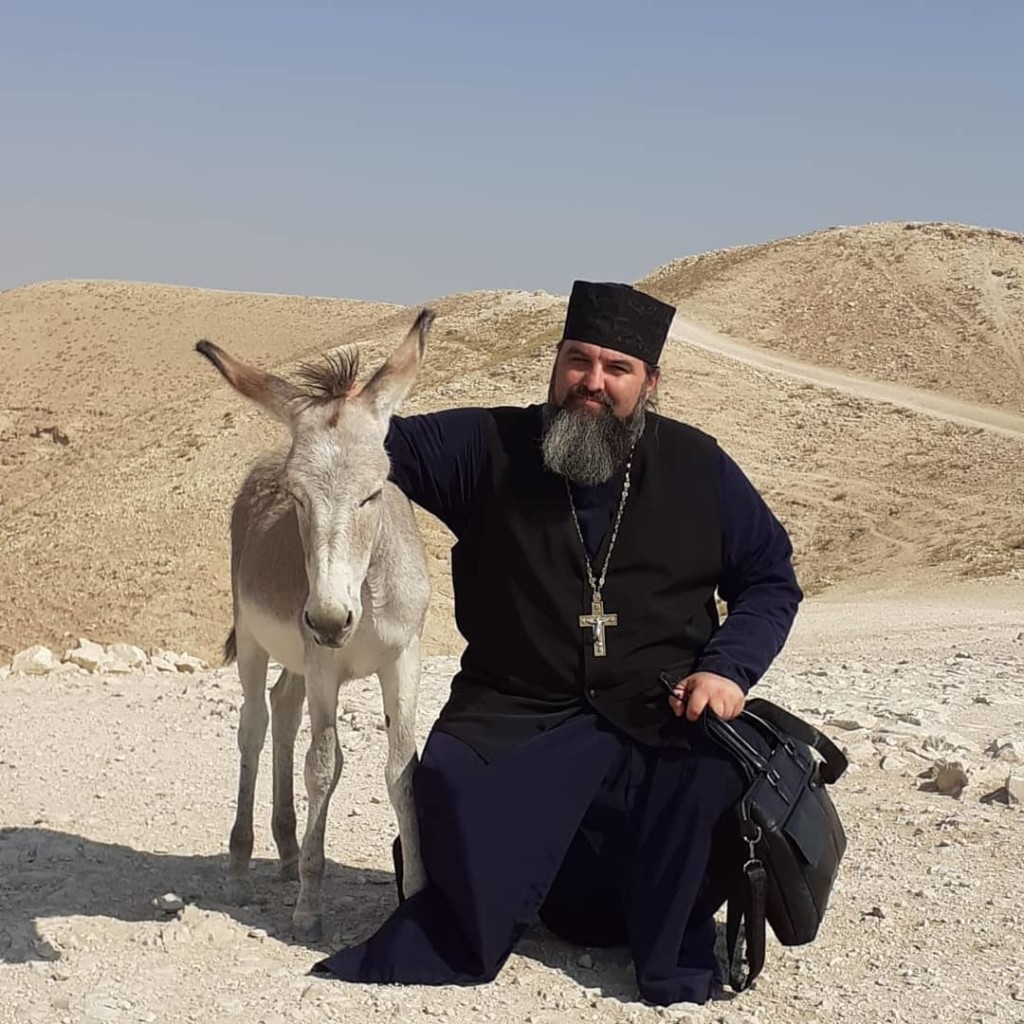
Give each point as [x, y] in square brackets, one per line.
[935, 306]
[120, 449]
[939, 406]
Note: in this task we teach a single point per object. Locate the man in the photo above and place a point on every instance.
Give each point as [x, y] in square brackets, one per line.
[561, 780]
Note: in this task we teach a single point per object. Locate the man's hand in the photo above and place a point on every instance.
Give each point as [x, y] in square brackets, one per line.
[704, 689]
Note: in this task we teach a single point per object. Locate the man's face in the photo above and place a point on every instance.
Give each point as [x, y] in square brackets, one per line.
[595, 411]
[589, 378]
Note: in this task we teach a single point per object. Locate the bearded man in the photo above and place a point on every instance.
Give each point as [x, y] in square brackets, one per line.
[561, 780]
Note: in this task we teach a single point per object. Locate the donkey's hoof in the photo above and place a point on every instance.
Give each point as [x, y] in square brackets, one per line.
[289, 872]
[307, 926]
[239, 891]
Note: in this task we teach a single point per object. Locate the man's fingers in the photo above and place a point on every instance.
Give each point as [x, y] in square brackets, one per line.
[696, 704]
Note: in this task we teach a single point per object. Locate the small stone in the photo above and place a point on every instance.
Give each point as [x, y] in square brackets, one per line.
[950, 778]
[1009, 750]
[46, 948]
[34, 661]
[87, 655]
[945, 742]
[852, 724]
[169, 903]
[875, 912]
[860, 753]
[586, 961]
[910, 717]
[1014, 789]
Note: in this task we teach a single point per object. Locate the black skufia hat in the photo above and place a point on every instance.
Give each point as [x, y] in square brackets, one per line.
[619, 317]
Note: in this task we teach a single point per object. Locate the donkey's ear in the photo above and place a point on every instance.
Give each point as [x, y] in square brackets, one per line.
[387, 388]
[271, 393]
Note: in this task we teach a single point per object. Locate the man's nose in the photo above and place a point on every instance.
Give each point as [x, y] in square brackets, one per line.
[593, 380]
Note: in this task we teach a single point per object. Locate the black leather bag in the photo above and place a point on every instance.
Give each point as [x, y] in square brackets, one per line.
[793, 834]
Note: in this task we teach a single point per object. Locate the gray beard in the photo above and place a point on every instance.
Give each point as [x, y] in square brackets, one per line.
[588, 448]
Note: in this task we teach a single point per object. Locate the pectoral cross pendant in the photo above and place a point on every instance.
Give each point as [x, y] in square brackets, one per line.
[597, 620]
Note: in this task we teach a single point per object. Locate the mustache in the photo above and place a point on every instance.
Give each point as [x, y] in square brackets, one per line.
[580, 391]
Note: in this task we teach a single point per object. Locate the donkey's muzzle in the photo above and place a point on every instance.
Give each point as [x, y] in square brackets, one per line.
[330, 632]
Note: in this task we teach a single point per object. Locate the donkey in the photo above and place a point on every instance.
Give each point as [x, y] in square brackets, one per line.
[328, 578]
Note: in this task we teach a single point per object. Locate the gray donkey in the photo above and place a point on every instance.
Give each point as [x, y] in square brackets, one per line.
[329, 579]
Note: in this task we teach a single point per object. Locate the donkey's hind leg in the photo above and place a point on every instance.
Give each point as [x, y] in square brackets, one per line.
[285, 718]
[252, 731]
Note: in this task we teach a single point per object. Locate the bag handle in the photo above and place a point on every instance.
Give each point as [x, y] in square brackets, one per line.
[720, 730]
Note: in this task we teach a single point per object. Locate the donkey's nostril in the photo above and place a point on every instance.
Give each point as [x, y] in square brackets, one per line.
[308, 621]
[348, 619]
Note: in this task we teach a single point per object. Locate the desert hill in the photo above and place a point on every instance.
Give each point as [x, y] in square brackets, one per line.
[120, 448]
[938, 306]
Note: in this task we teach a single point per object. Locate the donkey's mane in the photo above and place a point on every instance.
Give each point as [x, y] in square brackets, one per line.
[332, 378]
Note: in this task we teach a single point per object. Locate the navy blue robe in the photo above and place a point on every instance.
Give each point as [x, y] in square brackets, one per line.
[605, 840]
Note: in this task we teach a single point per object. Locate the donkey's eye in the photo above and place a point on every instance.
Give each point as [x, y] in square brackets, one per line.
[376, 494]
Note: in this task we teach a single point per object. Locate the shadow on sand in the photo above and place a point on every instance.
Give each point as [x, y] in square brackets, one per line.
[45, 873]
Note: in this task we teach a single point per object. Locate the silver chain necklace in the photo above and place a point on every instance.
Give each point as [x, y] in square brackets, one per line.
[597, 620]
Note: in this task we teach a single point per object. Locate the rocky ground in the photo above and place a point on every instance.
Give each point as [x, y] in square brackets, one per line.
[117, 776]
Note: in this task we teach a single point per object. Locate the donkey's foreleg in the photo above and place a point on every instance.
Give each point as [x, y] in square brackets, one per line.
[285, 718]
[323, 768]
[399, 681]
[252, 731]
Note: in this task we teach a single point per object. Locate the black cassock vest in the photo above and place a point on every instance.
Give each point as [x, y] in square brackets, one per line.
[521, 585]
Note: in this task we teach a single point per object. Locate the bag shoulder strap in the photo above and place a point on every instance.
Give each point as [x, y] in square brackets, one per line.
[835, 762]
[747, 904]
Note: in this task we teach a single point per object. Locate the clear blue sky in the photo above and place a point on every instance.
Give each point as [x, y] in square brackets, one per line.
[402, 151]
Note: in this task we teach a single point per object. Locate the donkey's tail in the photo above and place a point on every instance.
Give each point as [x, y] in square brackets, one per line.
[230, 647]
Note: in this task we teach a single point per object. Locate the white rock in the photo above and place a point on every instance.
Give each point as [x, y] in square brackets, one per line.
[130, 655]
[162, 664]
[863, 752]
[169, 902]
[87, 655]
[1010, 751]
[949, 741]
[68, 668]
[186, 663]
[1014, 789]
[34, 661]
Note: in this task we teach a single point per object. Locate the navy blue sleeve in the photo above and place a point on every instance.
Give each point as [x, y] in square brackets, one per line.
[436, 460]
[758, 583]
